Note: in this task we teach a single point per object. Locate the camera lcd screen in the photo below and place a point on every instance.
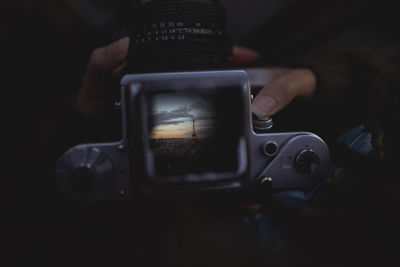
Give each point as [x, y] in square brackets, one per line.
[195, 132]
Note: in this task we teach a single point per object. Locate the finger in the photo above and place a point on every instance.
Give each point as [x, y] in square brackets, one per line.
[243, 55]
[281, 91]
[107, 58]
[273, 97]
[259, 77]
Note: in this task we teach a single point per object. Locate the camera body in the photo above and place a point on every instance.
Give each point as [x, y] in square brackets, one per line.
[186, 133]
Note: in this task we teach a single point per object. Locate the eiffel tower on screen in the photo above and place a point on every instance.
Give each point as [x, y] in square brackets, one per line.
[194, 137]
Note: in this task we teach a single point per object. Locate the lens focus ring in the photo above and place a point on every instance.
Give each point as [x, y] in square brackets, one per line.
[167, 35]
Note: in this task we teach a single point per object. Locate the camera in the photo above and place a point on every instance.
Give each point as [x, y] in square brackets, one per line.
[187, 121]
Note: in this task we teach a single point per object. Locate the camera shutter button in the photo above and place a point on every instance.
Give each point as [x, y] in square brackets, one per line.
[261, 124]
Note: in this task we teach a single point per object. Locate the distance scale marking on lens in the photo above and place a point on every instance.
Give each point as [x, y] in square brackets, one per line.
[155, 29]
[174, 34]
[170, 24]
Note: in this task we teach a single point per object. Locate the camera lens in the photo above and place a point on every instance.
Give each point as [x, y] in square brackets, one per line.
[173, 35]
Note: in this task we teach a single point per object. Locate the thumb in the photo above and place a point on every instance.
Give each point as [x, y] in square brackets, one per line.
[280, 92]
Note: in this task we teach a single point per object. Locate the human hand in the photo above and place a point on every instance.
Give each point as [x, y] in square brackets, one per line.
[100, 84]
[281, 85]
[101, 81]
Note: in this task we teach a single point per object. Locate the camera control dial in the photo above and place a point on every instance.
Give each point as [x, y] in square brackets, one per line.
[85, 174]
[307, 162]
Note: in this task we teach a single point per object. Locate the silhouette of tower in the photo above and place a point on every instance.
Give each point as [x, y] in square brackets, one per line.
[194, 138]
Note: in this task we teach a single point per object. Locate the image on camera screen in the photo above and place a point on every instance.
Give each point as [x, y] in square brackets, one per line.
[189, 133]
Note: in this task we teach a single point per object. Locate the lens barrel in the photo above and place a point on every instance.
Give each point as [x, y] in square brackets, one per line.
[173, 35]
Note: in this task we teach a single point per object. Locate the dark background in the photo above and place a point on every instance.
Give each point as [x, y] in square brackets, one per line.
[44, 49]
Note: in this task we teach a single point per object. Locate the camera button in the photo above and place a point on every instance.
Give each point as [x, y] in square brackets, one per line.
[307, 162]
[270, 148]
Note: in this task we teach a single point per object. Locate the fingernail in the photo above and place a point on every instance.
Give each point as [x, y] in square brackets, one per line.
[256, 111]
[119, 47]
[265, 104]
